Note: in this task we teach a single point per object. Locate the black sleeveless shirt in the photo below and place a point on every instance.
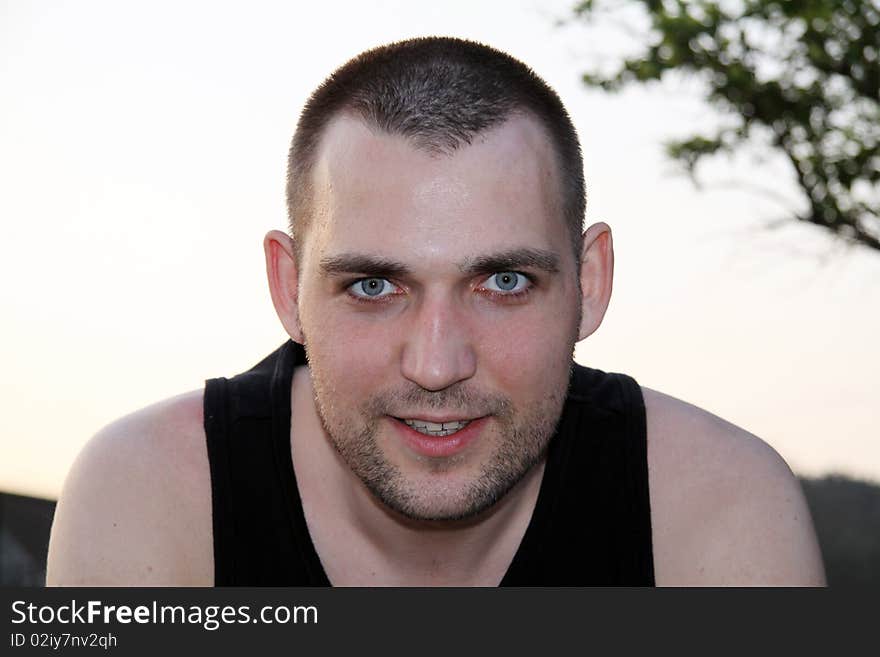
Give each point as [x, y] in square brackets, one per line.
[591, 524]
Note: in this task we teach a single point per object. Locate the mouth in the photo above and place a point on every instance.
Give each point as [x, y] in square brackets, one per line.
[435, 429]
[439, 439]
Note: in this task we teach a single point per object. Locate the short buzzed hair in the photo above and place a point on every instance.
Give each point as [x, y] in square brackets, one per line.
[439, 93]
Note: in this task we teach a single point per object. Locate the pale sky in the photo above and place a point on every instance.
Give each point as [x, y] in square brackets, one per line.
[142, 154]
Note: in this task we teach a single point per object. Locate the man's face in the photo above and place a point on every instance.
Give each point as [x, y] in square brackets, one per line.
[438, 289]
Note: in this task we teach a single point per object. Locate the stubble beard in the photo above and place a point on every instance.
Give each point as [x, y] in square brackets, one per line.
[522, 441]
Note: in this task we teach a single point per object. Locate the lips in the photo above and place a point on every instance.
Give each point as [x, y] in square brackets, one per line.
[439, 439]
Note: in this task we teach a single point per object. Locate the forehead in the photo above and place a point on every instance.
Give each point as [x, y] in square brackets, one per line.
[379, 193]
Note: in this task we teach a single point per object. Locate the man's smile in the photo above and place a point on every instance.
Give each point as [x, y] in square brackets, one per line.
[436, 429]
[439, 439]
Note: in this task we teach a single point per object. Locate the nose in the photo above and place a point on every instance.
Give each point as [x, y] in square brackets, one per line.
[438, 350]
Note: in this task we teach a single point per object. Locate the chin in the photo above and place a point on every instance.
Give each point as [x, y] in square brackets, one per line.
[448, 497]
[437, 509]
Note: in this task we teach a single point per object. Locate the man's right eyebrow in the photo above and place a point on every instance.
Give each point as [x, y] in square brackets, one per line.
[361, 263]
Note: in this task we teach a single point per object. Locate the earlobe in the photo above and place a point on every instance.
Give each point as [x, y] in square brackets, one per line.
[283, 275]
[596, 277]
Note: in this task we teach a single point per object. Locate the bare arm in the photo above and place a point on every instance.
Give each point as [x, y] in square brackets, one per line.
[726, 508]
[135, 507]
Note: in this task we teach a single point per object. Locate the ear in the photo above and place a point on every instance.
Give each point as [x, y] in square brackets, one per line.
[597, 273]
[281, 269]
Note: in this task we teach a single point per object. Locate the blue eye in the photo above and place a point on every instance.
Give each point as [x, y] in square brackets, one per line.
[507, 281]
[371, 288]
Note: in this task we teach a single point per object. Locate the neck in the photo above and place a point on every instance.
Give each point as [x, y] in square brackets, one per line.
[475, 550]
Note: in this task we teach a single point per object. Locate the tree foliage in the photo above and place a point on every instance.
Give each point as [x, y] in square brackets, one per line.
[802, 75]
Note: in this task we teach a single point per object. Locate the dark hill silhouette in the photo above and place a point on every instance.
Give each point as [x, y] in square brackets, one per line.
[846, 513]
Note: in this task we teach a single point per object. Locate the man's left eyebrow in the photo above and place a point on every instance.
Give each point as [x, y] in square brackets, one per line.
[512, 260]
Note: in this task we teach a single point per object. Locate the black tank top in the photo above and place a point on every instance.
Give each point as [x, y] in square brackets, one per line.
[591, 524]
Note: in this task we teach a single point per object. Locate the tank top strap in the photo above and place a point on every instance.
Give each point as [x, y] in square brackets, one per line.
[260, 535]
[592, 522]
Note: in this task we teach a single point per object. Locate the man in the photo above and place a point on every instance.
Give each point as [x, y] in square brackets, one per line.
[432, 429]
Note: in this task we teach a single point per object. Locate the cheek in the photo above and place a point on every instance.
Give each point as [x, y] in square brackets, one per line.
[527, 349]
[345, 351]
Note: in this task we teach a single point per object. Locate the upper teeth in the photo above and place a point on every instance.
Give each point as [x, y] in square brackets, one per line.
[437, 429]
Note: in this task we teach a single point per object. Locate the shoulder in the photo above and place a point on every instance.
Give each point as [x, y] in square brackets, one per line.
[135, 508]
[725, 507]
